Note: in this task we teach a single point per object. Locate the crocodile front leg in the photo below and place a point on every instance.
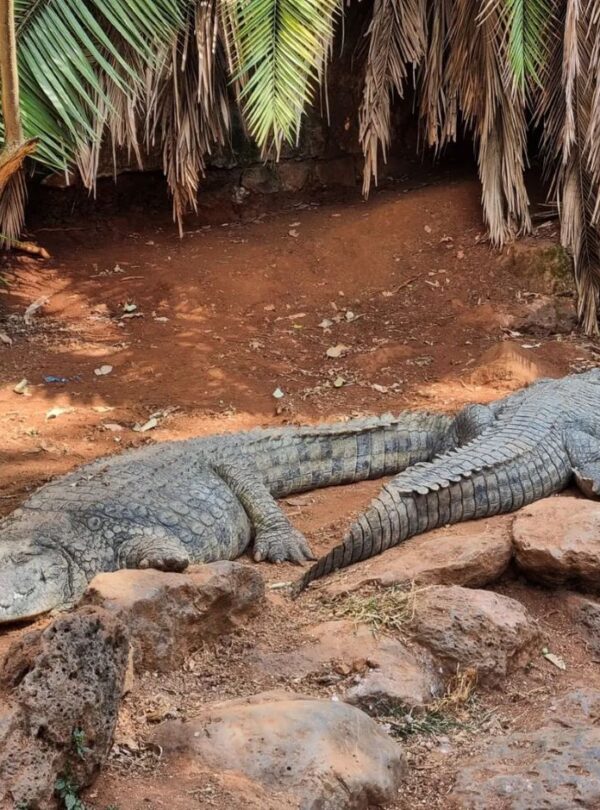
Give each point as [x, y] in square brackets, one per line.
[276, 539]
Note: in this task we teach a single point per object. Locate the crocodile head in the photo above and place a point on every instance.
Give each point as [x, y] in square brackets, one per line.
[35, 575]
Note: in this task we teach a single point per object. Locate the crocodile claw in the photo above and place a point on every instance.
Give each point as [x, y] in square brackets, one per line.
[281, 545]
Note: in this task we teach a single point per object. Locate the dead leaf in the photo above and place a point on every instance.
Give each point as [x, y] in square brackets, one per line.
[4, 338]
[278, 394]
[427, 229]
[383, 389]
[556, 660]
[102, 371]
[350, 316]
[338, 382]
[269, 308]
[129, 307]
[149, 425]
[460, 254]
[33, 308]
[326, 323]
[294, 233]
[102, 409]
[337, 351]
[530, 345]
[21, 388]
[114, 427]
[57, 411]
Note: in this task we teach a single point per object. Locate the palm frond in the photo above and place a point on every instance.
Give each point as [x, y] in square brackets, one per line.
[436, 109]
[568, 111]
[71, 52]
[494, 111]
[277, 51]
[397, 37]
[188, 104]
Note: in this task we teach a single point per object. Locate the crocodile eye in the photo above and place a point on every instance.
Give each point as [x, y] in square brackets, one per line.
[94, 523]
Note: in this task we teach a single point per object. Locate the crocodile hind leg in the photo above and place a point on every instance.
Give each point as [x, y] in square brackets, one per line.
[276, 539]
[584, 453]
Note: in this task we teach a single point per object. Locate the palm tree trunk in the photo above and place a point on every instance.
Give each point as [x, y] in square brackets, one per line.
[9, 76]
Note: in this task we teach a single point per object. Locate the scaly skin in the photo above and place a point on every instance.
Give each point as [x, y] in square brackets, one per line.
[192, 501]
[517, 450]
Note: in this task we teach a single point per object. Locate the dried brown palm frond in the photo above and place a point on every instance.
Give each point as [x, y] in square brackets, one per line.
[188, 105]
[397, 38]
[437, 109]
[568, 110]
[493, 108]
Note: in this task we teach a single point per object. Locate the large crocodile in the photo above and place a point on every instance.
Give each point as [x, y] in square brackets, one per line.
[191, 501]
[502, 456]
[204, 499]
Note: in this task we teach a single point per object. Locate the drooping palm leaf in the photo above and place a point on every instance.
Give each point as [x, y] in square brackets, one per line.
[493, 109]
[277, 51]
[396, 38]
[188, 106]
[569, 114]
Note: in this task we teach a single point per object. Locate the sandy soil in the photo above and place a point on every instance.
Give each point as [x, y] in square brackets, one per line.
[200, 332]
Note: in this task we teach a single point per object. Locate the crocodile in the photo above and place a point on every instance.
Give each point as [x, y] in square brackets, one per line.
[496, 458]
[197, 500]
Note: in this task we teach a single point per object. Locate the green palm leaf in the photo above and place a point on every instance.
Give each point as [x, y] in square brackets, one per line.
[74, 54]
[277, 51]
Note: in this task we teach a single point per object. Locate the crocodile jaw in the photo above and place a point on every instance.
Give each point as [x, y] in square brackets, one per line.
[33, 580]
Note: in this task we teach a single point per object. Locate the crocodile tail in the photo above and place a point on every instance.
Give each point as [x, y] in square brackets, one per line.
[414, 502]
[380, 527]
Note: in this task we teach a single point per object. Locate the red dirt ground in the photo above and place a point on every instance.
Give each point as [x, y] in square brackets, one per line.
[231, 313]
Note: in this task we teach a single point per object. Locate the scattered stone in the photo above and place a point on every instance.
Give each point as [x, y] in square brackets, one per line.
[548, 315]
[554, 767]
[326, 754]
[556, 541]
[64, 686]
[372, 670]
[472, 554]
[169, 615]
[294, 175]
[585, 612]
[260, 179]
[474, 629]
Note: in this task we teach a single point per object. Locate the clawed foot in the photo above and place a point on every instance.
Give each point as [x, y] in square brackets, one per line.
[279, 545]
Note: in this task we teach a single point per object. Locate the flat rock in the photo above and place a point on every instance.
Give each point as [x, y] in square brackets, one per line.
[326, 754]
[472, 554]
[585, 612]
[555, 767]
[557, 541]
[170, 615]
[370, 671]
[474, 629]
[64, 678]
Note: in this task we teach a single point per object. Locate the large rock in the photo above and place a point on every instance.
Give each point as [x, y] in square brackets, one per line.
[472, 554]
[370, 671]
[170, 615]
[326, 754]
[556, 767]
[585, 613]
[64, 687]
[475, 629]
[557, 541]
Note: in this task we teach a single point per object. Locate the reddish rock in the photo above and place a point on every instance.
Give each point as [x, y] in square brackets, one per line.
[170, 615]
[555, 767]
[585, 612]
[474, 629]
[370, 669]
[557, 541]
[324, 753]
[64, 684]
[472, 554]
